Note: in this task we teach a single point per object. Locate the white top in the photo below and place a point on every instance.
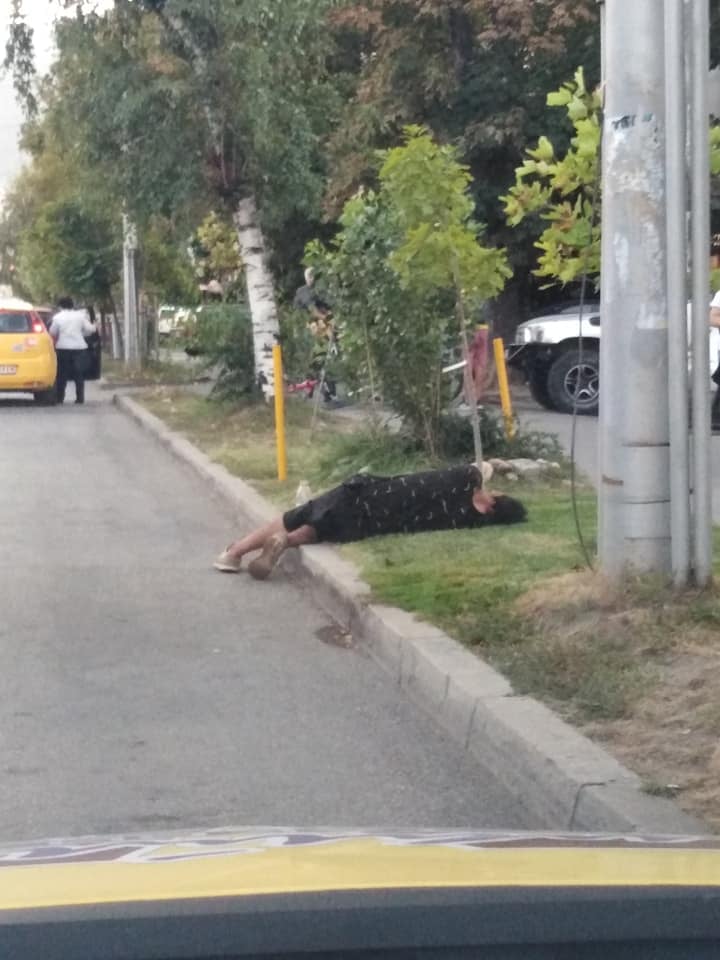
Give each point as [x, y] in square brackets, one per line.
[69, 328]
[716, 300]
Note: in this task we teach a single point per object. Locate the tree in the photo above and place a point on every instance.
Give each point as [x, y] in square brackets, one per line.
[475, 72]
[429, 191]
[178, 99]
[67, 250]
[404, 274]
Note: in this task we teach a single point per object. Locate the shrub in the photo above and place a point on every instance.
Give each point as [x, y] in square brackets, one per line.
[222, 334]
[457, 440]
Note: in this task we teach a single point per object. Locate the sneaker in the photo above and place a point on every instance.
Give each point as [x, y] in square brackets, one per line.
[261, 567]
[227, 563]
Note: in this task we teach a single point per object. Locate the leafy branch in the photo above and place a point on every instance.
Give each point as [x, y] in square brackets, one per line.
[563, 191]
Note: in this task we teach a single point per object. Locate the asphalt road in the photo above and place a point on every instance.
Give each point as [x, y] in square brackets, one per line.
[534, 417]
[140, 689]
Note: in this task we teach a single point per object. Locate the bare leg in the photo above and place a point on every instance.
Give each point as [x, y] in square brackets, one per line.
[256, 539]
[302, 536]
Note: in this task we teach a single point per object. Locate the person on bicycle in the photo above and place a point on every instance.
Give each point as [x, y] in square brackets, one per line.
[369, 506]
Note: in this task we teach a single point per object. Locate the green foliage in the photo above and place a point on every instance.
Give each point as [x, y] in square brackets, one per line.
[167, 272]
[298, 343]
[186, 105]
[392, 338]
[69, 250]
[428, 189]
[217, 254]
[563, 191]
[457, 440]
[379, 451]
[222, 334]
[387, 452]
[715, 150]
[19, 57]
[404, 258]
[476, 74]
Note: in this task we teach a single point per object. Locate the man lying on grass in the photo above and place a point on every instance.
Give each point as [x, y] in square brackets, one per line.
[368, 506]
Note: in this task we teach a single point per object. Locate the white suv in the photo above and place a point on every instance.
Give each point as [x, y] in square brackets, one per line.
[547, 349]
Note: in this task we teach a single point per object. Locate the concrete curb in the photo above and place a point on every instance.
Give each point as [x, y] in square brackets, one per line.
[562, 779]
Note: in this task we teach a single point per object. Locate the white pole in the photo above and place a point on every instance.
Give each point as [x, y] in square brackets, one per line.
[677, 203]
[635, 456]
[130, 304]
[700, 219]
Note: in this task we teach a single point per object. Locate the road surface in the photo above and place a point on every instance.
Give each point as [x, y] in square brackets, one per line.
[533, 417]
[142, 690]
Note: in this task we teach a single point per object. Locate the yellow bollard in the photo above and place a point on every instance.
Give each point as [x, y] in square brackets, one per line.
[505, 398]
[280, 413]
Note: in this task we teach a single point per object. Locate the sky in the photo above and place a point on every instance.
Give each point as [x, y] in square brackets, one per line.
[39, 15]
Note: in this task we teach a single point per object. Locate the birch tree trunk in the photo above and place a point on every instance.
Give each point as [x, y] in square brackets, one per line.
[260, 292]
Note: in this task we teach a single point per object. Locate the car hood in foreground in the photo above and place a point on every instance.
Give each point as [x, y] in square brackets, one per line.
[251, 862]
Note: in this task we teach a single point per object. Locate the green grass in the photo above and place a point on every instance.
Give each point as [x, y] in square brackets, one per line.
[153, 373]
[242, 438]
[461, 579]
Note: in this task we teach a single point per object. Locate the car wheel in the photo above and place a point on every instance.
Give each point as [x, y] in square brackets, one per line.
[538, 385]
[46, 398]
[573, 380]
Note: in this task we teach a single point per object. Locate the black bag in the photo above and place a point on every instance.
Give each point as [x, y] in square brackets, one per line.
[93, 358]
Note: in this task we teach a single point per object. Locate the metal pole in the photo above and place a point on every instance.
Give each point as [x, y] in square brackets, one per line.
[130, 304]
[677, 201]
[700, 219]
[280, 413]
[635, 455]
[504, 387]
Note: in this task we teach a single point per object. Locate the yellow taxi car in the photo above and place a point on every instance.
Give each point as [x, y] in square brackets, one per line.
[27, 354]
[269, 894]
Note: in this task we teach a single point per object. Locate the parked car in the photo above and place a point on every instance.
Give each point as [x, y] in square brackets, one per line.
[27, 354]
[547, 350]
[172, 320]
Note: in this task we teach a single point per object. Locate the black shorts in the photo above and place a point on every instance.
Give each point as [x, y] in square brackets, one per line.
[324, 513]
[337, 516]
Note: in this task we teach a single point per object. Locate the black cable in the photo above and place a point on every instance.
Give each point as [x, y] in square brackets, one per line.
[573, 434]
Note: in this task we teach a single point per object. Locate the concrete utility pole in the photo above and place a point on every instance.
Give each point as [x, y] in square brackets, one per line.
[677, 286]
[657, 87]
[698, 30]
[131, 345]
[634, 493]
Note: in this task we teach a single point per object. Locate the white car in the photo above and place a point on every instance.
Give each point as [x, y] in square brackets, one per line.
[547, 350]
[171, 320]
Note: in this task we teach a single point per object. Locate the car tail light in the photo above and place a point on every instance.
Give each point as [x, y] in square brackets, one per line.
[38, 326]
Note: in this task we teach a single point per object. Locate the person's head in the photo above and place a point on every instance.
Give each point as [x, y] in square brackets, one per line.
[310, 276]
[65, 303]
[498, 507]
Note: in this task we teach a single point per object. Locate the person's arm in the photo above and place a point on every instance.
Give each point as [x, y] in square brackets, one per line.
[54, 330]
[88, 327]
[715, 311]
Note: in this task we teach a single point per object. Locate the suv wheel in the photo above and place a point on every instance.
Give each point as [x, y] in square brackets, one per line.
[574, 381]
[537, 380]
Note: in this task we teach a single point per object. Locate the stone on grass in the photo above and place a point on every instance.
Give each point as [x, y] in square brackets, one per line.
[526, 468]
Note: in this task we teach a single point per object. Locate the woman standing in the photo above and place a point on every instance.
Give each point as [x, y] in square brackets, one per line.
[69, 329]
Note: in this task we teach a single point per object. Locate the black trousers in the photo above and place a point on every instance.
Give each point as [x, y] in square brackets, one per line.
[72, 365]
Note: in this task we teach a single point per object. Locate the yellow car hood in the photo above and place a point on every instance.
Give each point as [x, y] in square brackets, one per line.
[252, 862]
